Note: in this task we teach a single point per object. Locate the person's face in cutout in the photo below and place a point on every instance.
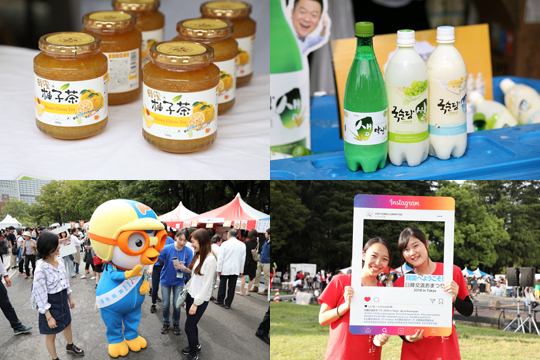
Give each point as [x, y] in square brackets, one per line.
[305, 17]
[376, 259]
[416, 252]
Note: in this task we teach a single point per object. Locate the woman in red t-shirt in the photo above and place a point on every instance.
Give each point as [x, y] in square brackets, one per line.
[413, 245]
[336, 302]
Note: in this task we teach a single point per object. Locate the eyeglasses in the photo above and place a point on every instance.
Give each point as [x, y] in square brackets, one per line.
[133, 242]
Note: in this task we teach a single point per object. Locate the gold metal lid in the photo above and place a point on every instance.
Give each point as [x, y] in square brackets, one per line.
[109, 20]
[225, 9]
[181, 53]
[69, 43]
[205, 28]
[136, 5]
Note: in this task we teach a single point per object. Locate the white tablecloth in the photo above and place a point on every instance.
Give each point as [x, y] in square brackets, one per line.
[241, 150]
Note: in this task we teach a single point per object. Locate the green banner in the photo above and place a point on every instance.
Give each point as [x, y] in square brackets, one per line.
[408, 138]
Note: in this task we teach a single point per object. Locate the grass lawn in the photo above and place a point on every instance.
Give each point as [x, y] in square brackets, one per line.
[297, 334]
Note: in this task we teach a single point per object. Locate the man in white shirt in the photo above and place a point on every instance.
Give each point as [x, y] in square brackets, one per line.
[232, 255]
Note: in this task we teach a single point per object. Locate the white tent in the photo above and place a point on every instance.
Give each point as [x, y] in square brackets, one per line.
[178, 214]
[9, 221]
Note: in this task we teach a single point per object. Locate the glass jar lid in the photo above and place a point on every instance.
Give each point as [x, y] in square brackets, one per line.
[136, 5]
[109, 20]
[69, 43]
[225, 9]
[181, 53]
[205, 28]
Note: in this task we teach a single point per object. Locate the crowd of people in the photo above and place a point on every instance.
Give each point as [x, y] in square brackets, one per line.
[189, 259]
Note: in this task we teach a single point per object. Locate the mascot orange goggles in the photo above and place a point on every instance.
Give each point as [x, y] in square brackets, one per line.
[133, 242]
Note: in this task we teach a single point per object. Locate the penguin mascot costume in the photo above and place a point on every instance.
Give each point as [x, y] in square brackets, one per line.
[126, 235]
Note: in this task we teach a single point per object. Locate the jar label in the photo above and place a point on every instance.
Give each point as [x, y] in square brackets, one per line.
[123, 70]
[71, 103]
[181, 48]
[407, 117]
[205, 24]
[110, 16]
[179, 116]
[225, 5]
[366, 128]
[227, 80]
[150, 38]
[245, 55]
[70, 39]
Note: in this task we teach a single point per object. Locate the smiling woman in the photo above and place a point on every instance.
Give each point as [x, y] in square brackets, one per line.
[336, 302]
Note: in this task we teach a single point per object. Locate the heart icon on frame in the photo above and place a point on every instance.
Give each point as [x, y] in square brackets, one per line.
[367, 299]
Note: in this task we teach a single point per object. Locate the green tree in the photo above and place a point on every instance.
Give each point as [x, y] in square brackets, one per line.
[20, 210]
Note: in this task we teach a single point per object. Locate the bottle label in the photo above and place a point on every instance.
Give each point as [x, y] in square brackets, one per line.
[245, 55]
[448, 107]
[179, 116]
[227, 80]
[407, 116]
[289, 112]
[123, 70]
[71, 103]
[150, 38]
[366, 128]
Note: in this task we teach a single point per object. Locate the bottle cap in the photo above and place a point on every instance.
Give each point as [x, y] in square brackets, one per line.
[363, 29]
[479, 122]
[70, 44]
[225, 9]
[136, 6]
[109, 20]
[474, 96]
[181, 53]
[506, 84]
[405, 37]
[445, 33]
[205, 28]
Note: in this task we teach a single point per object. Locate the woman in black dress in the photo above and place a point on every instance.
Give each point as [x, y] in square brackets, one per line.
[250, 266]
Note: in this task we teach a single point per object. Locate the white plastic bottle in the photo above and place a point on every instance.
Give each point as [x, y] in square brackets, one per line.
[497, 115]
[406, 87]
[447, 98]
[480, 85]
[522, 101]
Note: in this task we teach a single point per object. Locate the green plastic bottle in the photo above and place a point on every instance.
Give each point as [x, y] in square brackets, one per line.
[365, 107]
[289, 89]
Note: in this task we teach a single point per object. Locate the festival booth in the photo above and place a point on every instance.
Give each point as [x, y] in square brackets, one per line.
[467, 272]
[236, 214]
[179, 214]
[9, 221]
[479, 272]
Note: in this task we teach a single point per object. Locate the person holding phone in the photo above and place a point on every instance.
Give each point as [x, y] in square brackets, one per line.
[414, 246]
[336, 303]
[175, 259]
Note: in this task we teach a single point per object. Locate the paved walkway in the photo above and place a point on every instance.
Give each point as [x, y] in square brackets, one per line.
[224, 334]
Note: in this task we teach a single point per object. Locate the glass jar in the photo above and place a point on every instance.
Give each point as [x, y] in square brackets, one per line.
[217, 34]
[70, 86]
[150, 22]
[180, 96]
[244, 33]
[121, 44]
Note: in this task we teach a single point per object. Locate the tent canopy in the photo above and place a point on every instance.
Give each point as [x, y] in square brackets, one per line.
[467, 272]
[479, 272]
[178, 214]
[9, 221]
[236, 214]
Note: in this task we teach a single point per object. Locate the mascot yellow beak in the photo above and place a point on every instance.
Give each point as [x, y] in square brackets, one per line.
[150, 256]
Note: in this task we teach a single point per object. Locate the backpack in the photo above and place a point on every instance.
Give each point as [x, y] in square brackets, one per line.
[3, 247]
[15, 248]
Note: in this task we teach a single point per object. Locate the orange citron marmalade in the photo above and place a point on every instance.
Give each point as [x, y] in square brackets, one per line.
[238, 13]
[65, 65]
[117, 35]
[164, 73]
[218, 36]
